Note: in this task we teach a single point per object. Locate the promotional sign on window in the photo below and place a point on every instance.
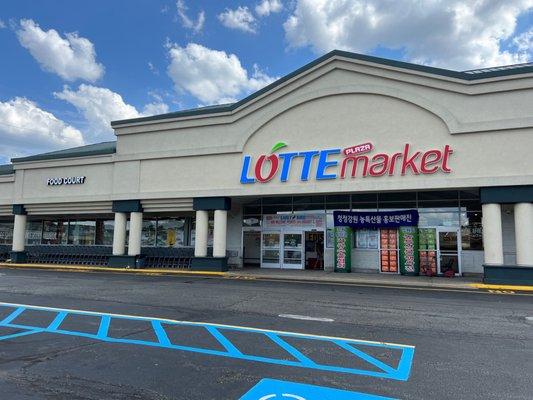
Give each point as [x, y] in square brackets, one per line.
[409, 261]
[305, 221]
[389, 250]
[375, 219]
[428, 252]
[343, 249]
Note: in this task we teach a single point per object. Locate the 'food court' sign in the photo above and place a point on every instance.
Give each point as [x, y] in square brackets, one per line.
[67, 180]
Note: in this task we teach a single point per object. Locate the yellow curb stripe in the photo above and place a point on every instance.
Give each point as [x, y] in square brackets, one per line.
[502, 287]
[84, 268]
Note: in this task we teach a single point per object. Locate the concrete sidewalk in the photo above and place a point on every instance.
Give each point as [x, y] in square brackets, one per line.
[357, 278]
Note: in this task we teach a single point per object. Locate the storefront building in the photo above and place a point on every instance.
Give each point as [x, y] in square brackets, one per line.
[352, 163]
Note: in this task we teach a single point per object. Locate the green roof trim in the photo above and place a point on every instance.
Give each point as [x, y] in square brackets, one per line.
[6, 169]
[463, 75]
[82, 151]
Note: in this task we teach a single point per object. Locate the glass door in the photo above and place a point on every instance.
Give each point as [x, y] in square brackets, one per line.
[449, 244]
[270, 249]
[292, 250]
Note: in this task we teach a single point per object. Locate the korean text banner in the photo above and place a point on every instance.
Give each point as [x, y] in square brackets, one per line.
[375, 219]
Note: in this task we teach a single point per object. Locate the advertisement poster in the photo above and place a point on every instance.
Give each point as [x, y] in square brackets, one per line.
[389, 250]
[409, 261]
[428, 251]
[343, 249]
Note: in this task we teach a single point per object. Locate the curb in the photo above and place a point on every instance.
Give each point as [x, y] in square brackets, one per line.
[84, 268]
[521, 288]
[399, 285]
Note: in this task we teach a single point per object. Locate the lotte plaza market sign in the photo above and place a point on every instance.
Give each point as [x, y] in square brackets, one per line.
[337, 163]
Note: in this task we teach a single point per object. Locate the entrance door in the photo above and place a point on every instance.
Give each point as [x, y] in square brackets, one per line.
[292, 250]
[448, 249]
[251, 247]
[270, 249]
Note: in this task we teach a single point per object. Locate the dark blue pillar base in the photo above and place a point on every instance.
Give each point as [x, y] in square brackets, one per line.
[219, 264]
[126, 261]
[507, 275]
[19, 257]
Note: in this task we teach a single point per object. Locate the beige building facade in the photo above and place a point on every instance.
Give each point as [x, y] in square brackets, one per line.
[248, 182]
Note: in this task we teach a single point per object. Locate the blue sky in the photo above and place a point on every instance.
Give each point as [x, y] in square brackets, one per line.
[70, 67]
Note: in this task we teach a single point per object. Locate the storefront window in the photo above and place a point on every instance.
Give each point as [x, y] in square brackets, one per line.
[34, 232]
[81, 232]
[338, 202]
[438, 217]
[54, 232]
[104, 232]
[471, 231]
[171, 232]
[366, 238]
[6, 232]
[148, 232]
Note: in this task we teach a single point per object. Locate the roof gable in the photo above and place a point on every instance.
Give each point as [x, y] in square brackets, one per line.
[471, 75]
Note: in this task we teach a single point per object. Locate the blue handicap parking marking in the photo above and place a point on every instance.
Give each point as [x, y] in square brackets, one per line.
[272, 389]
[291, 343]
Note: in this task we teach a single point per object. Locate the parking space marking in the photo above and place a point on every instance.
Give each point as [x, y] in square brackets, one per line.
[273, 389]
[305, 318]
[353, 347]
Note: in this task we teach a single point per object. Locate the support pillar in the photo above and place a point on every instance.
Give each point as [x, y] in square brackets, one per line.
[119, 234]
[492, 233]
[136, 226]
[523, 222]
[218, 261]
[220, 232]
[202, 229]
[18, 253]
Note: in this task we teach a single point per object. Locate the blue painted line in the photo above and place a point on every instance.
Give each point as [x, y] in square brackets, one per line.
[224, 341]
[18, 334]
[104, 327]
[406, 361]
[54, 325]
[231, 349]
[368, 358]
[290, 349]
[162, 337]
[12, 316]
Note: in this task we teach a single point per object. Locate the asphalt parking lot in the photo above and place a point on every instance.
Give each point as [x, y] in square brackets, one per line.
[110, 336]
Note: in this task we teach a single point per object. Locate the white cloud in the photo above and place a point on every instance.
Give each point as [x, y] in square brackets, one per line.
[446, 33]
[26, 129]
[240, 18]
[100, 106]
[213, 77]
[524, 42]
[267, 7]
[72, 57]
[186, 22]
[2, 24]
[155, 109]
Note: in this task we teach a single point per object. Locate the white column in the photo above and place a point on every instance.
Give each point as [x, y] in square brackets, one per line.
[492, 233]
[202, 227]
[219, 234]
[136, 226]
[119, 234]
[523, 225]
[19, 233]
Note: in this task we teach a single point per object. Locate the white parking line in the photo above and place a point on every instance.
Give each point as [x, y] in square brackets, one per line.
[305, 318]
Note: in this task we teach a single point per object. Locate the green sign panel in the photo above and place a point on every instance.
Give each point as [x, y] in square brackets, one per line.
[409, 258]
[343, 248]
